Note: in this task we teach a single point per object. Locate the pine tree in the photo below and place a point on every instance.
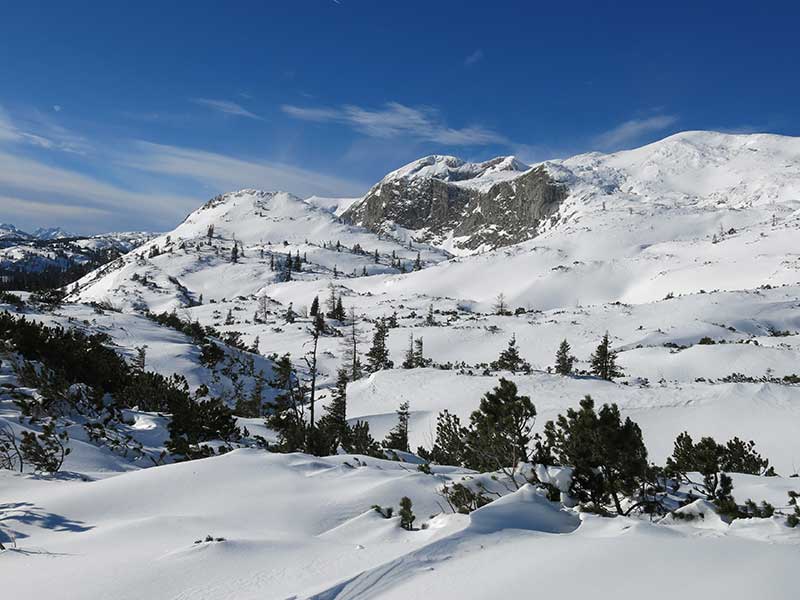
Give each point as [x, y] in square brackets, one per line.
[286, 414]
[449, 448]
[334, 421]
[564, 360]
[210, 232]
[290, 314]
[352, 360]
[397, 438]
[314, 307]
[430, 320]
[608, 456]
[500, 430]
[45, 451]
[604, 361]
[406, 515]
[235, 253]
[338, 311]
[298, 266]
[419, 355]
[418, 262]
[361, 442]
[408, 360]
[378, 355]
[509, 359]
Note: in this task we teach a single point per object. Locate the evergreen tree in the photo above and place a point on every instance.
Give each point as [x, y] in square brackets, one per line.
[290, 314]
[419, 355]
[564, 360]
[235, 253]
[418, 262]
[297, 266]
[338, 310]
[361, 442]
[352, 360]
[45, 451]
[286, 415]
[406, 515]
[314, 307]
[334, 421]
[604, 361]
[397, 438]
[378, 355]
[409, 361]
[608, 456]
[449, 448]
[500, 430]
[509, 359]
[430, 320]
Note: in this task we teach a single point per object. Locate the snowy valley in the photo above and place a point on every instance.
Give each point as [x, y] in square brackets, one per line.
[225, 441]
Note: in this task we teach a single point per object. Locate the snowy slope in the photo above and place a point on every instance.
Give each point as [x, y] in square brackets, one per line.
[685, 251]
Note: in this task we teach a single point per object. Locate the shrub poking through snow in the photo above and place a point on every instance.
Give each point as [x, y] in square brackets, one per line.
[45, 451]
[386, 512]
[608, 456]
[406, 515]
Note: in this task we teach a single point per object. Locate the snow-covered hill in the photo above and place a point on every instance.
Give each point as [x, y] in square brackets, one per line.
[56, 250]
[684, 251]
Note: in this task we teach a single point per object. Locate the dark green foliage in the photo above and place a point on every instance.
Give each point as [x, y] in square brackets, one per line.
[45, 451]
[314, 307]
[763, 511]
[12, 299]
[397, 438]
[500, 430]
[361, 442]
[195, 422]
[153, 392]
[378, 355]
[10, 453]
[285, 416]
[608, 456]
[406, 515]
[793, 519]
[510, 360]
[709, 458]
[333, 423]
[564, 360]
[386, 513]
[741, 457]
[449, 448]
[604, 361]
[462, 499]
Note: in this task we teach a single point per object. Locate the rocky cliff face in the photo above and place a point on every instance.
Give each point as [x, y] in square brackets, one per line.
[479, 205]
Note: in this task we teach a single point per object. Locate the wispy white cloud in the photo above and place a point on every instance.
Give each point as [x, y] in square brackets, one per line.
[227, 107]
[473, 58]
[33, 178]
[398, 120]
[38, 130]
[632, 131]
[227, 173]
[48, 212]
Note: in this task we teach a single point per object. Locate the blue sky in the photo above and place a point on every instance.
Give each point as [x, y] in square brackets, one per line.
[128, 115]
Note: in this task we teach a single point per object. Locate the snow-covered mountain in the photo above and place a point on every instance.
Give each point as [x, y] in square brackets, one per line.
[469, 207]
[684, 251]
[53, 249]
